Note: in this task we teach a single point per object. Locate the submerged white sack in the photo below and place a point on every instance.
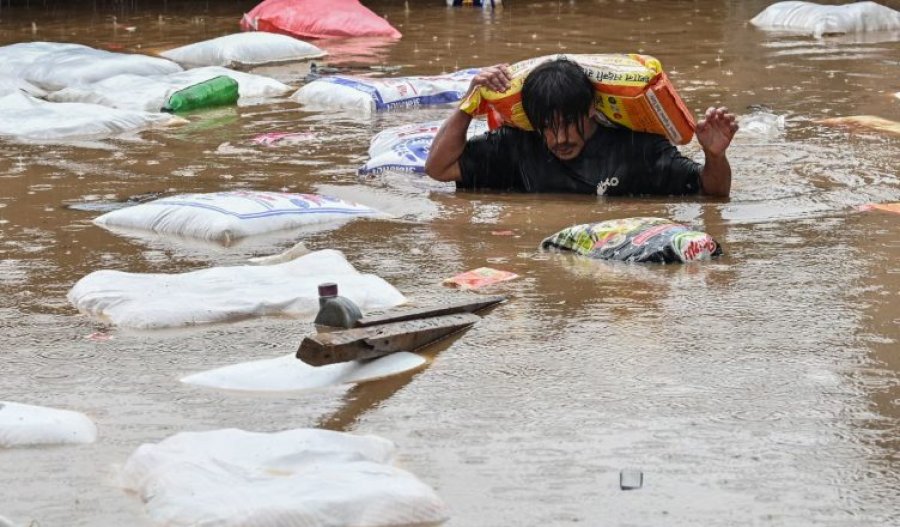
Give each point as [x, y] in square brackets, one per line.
[244, 49]
[819, 20]
[225, 217]
[26, 118]
[222, 294]
[372, 94]
[75, 66]
[16, 85]
[152, 93]
[15, 58]
[405, 148]
[25, 425]
[303, 477]
[288, 373]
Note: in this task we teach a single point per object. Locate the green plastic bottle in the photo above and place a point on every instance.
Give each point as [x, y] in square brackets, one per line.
[218, 91]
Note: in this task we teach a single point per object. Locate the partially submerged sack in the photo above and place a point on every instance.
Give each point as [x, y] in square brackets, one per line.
[223, 294]
[16, 85]
[630, 90]
[317, 19]
[27, 425]
[15, 58]
[26, 118]
[151, 94]
[243, 49]
[218, 91]
[225, 217]
[82, 65]
[636, 240]
[819, 20]
[301, 477]
[405, 148]
[377, 94]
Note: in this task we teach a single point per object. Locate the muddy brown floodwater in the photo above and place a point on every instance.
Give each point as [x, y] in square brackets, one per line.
[759, 389]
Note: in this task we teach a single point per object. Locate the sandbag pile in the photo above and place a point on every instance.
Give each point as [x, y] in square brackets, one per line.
[16, 85]
[317, 19]
[819, 20]
[655, 240]
[222, 294]
[243, 49]
[369, 95]
[28, 425]
[313, 478]
[405, 148]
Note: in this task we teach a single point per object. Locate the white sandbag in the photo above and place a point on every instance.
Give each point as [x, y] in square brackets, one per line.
[818, 20]
[372, 94]
[83, 65]
[405, 148]
[289, 373]
[25, 425]
[26, 118]
[152, 93]
[225, 217]
[244, 49]
[302, 477]
[15, 58]
[16, 85]
[222, 294]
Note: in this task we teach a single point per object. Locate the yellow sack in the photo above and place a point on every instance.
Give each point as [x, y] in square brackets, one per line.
[631, 90]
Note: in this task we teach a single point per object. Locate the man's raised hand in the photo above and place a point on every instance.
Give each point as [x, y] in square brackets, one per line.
[716, 130]
[497, 78]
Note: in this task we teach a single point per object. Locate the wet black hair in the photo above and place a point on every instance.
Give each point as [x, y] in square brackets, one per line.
[558, 89]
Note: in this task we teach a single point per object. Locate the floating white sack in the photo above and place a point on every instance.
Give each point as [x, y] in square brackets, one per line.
[24, 425]
[16, 85]
[83, 65]
[151, 94]
[762, 125]
[405, 148]
[15, 58]
[244, 49]
[818, 20]
[303, 477]
[26, 118]
[373, 94]
[288, 373]
[222, 294]
[225, 217]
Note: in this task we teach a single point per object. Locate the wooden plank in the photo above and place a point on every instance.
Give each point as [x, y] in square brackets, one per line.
[460, 306]
[376, 341]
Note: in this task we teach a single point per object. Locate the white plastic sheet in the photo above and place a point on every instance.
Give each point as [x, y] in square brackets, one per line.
[222, 294]
[225, 217]
[288, 373]
[376, 94]
[26, 118]
[151, 93]
[75, 66]
[303, 477]
[405, 148]
[244, 49]
[765, 125]
[26, 425]
[819, 20]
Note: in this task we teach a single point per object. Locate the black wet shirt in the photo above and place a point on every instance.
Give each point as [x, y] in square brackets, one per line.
[614, 162]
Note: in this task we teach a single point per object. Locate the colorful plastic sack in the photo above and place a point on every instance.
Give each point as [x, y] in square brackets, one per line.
[478, 278]
[636, 240]
[819, 20]
[243, 49]
[369, 95]
[317, 19]
[405, 148]
[631, 90]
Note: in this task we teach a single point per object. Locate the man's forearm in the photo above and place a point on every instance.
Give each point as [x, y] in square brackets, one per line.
[715, 179]
[446, 149]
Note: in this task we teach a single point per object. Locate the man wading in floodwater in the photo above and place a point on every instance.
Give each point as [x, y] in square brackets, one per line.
[570, 152]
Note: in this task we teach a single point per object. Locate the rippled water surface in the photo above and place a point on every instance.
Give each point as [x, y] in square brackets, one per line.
[760, 389]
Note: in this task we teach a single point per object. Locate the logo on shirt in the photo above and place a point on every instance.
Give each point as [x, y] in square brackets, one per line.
[604, 185]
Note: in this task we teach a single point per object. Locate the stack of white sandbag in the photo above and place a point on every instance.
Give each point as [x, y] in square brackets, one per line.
[16, 85]
[405, 148]
[27, 425]
[369, 95]
[225, 217]
[818, 20]
[152, 93]
[222, 294]
[244, 49]
[308, 477]
[16, 58]
[26, 118]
